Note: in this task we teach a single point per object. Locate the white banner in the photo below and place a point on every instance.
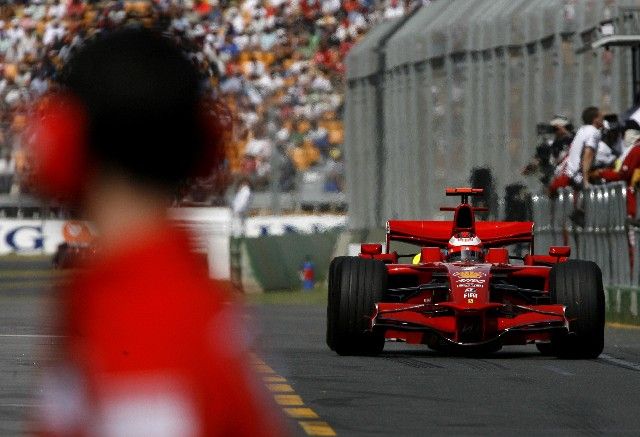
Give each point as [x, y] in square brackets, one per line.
[211, 227]
[303, 224]
[32, 237]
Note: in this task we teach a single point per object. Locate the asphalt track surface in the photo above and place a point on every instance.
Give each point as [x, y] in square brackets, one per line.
[25, 338]
[407, 391]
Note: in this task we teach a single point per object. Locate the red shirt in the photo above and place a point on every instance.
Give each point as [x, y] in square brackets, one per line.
[203, 8]
[154, 348]
[310, 8]
[629, 165]
[351, 5]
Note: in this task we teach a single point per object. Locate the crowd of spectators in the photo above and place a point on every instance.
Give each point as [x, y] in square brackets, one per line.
[277, 64]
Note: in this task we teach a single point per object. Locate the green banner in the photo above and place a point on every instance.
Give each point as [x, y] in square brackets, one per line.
[276, 261]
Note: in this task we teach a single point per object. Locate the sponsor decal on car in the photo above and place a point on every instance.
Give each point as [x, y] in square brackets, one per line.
[465, 282]
[469, 275]
[470, 293]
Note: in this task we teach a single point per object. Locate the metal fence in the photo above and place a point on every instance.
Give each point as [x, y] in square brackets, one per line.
[459, 84]
[603, 235]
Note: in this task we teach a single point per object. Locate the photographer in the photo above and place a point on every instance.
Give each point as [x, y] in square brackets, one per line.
[555, 138]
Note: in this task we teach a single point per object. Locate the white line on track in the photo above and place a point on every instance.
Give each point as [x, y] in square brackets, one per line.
[559, 370]
[18, 405]
[620, 362]
[30, 336]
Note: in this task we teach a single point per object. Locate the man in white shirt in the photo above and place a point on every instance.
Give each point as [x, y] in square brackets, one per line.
[394, 9]
[53, 33]
[240, 206]
[584, 147]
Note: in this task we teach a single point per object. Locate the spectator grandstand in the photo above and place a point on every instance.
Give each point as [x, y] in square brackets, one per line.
[277, 64]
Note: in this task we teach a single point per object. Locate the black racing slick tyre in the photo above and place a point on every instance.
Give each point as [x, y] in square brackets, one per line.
[545, 348]
[355, 286]
[333, 300]
[578, 285]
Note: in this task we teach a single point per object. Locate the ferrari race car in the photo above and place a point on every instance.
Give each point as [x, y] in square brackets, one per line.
[79, 246]
[69, 256]
[462, 293]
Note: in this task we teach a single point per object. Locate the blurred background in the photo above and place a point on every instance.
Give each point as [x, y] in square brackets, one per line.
[344, 114]
[277, 65]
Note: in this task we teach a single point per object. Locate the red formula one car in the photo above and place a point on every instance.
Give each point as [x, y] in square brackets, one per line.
[69, 256]
[461, 292]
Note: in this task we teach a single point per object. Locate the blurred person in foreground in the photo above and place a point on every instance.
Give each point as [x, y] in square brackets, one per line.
[149, 345]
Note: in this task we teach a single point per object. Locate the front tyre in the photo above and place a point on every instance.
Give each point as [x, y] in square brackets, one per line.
[545, 349]
[333, 299]
[578, 285]
[355, 286]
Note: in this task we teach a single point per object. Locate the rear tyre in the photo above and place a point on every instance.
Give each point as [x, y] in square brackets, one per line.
[545, 348]
[577, 284]
[356, 285]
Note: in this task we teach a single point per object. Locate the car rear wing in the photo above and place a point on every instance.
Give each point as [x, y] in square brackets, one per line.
[464, 191]
[464, 194]
[437, 233]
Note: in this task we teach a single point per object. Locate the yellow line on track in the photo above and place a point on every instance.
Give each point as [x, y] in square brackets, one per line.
[622, 326]
[301, 413]
[291, 403]
[288, 400]
[317, 428]
[257, 360]
[280, 388]
[263, 368]
[272, 379]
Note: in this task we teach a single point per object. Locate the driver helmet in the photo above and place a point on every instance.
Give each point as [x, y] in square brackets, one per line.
[465, 247]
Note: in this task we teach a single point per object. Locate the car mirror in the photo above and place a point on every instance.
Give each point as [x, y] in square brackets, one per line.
[560, 251]
[371, 248]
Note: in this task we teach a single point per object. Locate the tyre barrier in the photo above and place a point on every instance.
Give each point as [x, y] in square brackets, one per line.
[593, 222]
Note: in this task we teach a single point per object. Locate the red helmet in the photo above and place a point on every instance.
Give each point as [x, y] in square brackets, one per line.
[465, 246]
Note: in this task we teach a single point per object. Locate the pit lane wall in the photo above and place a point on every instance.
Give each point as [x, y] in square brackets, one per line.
[605, 236]
[460, 84]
